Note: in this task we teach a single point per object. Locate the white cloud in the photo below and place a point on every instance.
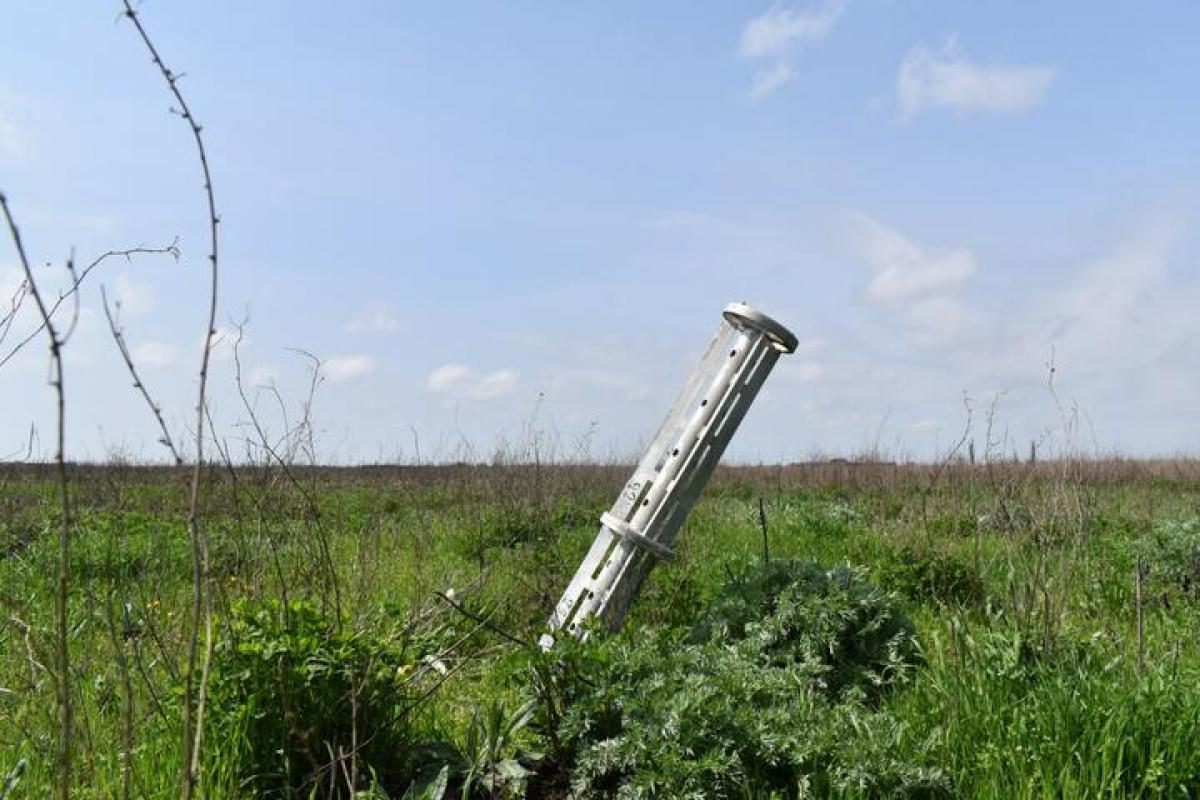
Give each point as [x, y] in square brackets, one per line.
[464, 383]
[904, 272]
[776, 30]
[223, 340]
[945, 79]
[155, 355]
[1125, 309]
[920, 288]
[344, 368]
[134, 298]
[378, 318]
[768, 80]
[263, 375]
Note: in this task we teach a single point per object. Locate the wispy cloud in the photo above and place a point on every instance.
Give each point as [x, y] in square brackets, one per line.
[461, 382]
[945, 79]
[377, 318]
[1126, 309]
[921, 289]
[223, 340]
[776, 33]
[133, 297]
[155, 355]
[769, 79]
[340, 369]
[903, 271]
[264, 375]
[778, 29]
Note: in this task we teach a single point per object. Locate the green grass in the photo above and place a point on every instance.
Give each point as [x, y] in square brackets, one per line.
[1021, 590]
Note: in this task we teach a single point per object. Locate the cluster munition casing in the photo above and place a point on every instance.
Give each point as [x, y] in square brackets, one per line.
[641, 525]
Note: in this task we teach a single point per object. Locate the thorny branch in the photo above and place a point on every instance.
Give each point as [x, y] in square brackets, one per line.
[64, 535]
[118, 334]
[71, 291]
[192, 715]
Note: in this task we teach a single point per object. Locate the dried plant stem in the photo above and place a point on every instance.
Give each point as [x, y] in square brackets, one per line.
[118, 335]
[484, 621]
[64, 535]
[1141, 629]
[191, 727]
[302, 433]
[72, 291]
[762, 524]
[127, 708]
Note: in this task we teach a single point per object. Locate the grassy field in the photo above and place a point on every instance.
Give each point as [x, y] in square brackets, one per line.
[1004, 630]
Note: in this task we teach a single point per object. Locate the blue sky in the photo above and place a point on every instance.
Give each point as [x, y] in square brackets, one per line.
[487, 218]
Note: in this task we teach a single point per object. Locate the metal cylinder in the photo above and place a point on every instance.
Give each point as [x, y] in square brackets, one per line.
[642, 524]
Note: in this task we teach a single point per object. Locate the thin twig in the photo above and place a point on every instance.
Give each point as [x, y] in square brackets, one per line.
[199, 567]
[14, 305]
[1141, 630]
[73, 288]
[127, 709]
[64, 535]
[313, 512]
[484, 621]
[762, 523]
[118, 335]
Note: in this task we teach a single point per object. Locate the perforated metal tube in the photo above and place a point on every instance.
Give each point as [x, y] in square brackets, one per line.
[642, 524]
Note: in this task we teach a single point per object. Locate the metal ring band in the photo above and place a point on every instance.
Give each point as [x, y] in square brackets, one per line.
[626, 531]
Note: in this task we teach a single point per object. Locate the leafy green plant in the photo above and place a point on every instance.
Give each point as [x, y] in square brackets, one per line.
[764, 695]
[486, 763]
[834, 620]
[293, 695]
[1170, 557]
[931, 575]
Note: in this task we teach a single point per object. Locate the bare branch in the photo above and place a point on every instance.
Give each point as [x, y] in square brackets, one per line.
[64, 535]
[77, 279]
[191, 735]
[118, 335]
[14, 305]
[285, 464]
[484, 621]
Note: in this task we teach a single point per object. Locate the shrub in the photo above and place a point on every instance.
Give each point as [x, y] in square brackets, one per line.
[763, 695]
[793, 611]
[1170, 556]
[290, 690]
[927, 575]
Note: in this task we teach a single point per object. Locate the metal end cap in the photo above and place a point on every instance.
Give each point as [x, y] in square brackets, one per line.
[742, 316]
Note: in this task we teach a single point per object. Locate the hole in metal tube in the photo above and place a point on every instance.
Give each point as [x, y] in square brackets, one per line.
[732, 353]
[704, 402]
